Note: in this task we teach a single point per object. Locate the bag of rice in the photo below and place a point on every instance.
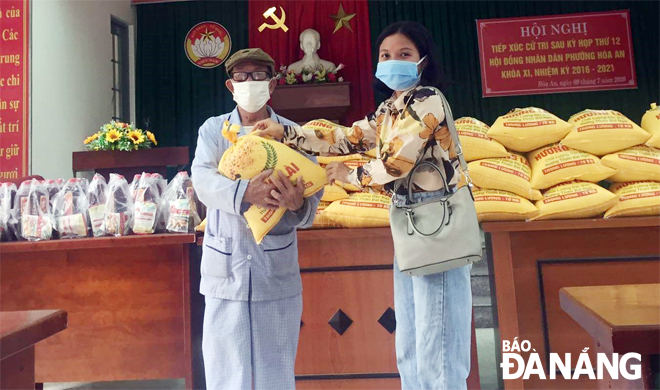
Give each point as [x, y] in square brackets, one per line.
[651, 120]
[638, 163]
[332, 193]
[574, 200]
[320, 220]
[497, 205]
[510, 174]
[360, 210]
[654, 141]
[526, 129]
[636, 199]
[601, 132]
[558, 163]
[251, 155]
[476, 144]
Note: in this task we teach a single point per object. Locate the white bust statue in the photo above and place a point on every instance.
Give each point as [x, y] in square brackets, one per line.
[310, 42]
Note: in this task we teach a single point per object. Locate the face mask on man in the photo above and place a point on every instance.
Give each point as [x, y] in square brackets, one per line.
[399, 75]
[251, 95]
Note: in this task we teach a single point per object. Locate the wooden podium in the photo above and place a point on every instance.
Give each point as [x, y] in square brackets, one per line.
[130, 163]
[304, 102]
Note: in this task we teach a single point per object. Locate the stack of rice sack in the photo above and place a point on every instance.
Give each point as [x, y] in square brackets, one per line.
[628, 150]
[503, 191]
[558, 164]
[344, 205]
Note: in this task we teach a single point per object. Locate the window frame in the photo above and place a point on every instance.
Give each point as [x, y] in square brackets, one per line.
[120, 59]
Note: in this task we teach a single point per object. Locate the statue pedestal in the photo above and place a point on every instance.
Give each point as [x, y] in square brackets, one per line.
[154, 160]
[304, 102]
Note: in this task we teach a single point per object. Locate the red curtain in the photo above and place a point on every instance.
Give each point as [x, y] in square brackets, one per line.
[353, 49]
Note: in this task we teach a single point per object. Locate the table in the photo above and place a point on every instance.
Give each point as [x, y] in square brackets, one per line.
[530, 261]
[620, 319]
[348, 271]
[19, 332]
[127, 299]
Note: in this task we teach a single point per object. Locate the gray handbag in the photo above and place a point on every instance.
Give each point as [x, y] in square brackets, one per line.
[438, 234]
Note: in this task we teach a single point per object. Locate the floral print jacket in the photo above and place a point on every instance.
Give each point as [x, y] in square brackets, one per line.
[401, 129]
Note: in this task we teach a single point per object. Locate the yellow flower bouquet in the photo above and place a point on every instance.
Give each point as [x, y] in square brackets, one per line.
[120, 136]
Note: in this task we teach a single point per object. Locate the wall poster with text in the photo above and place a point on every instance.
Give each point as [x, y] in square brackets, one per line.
[552, 54]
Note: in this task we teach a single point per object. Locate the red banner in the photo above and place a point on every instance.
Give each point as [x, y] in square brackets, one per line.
[14, 88]
[551, 54]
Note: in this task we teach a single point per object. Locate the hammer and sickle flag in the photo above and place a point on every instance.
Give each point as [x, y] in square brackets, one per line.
[279, 22]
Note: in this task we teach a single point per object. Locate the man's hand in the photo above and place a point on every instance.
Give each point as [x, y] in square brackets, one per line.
[258, 191]
[286, 194]
[269, 128]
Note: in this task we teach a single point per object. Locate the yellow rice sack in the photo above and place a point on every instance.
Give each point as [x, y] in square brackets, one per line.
[636, 199]
[601, 132]
[325, 129]
[252, 155]
[474, 141]
[360, 210]
[634, 164]
[575, 200]
[526, 129]
[497, 205]
[512, 174]
[554, 164]
[202, 226]
[654, 141]
[333, 192]
[320, 220]
[651, 119]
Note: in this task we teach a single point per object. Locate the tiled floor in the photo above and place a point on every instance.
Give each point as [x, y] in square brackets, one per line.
[485, 346]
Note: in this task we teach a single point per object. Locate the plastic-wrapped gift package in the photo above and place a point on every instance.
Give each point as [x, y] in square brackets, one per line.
[147, 198]
[118, 207]
[31, 215]
[179, 206]
[97, 196]
[70, 210]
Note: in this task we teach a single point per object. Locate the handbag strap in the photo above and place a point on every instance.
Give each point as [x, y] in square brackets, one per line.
[449, 118]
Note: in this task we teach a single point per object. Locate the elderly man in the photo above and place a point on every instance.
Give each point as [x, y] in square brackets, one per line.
[253, 292]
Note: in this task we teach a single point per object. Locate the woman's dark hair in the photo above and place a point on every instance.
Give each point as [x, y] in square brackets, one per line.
[432, 75]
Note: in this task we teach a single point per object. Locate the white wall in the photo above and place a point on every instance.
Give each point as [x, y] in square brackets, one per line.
[71, 77]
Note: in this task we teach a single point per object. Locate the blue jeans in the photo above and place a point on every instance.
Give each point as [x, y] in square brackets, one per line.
[433, 326]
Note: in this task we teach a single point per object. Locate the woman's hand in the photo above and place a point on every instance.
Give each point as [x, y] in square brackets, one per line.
[338, 171]
[269, 128]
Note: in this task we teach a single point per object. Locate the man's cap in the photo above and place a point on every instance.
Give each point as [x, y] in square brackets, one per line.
[253, 55]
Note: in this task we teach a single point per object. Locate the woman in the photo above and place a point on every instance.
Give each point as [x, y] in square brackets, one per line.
[433, 313]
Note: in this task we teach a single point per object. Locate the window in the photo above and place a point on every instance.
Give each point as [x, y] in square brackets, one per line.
[121, 105]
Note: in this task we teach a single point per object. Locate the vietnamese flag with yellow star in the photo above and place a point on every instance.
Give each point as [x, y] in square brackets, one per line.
[345, 39]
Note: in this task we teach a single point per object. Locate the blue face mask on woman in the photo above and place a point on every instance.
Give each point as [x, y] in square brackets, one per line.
[398, 75]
